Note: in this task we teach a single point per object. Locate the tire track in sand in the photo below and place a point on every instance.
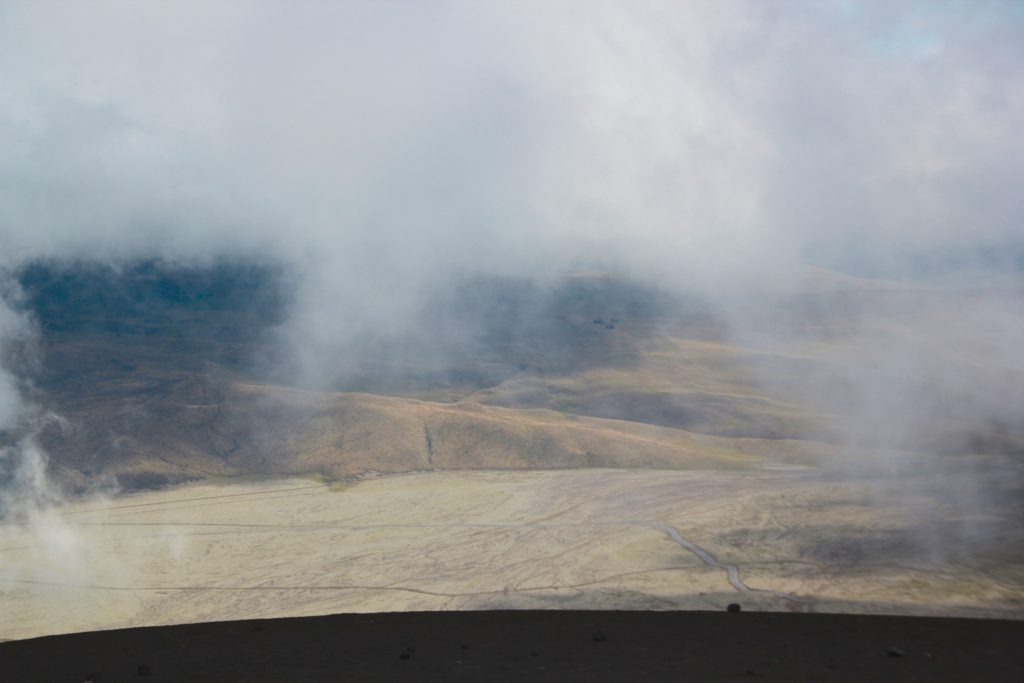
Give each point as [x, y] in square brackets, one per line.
[732, 571]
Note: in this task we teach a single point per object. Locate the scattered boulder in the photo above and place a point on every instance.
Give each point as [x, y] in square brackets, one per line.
[733, 607]
[895, 652]
[599, 637]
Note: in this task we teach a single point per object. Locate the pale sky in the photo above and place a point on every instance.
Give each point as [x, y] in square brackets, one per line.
[516, 136]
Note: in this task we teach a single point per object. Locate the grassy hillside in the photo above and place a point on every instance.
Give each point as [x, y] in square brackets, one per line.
[164, 373]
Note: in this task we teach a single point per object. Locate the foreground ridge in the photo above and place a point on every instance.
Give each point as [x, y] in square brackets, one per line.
[535, 645]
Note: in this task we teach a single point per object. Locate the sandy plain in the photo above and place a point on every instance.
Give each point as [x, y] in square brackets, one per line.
[771, 539]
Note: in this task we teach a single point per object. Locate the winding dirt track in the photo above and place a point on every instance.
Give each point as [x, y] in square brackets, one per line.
[732, 571]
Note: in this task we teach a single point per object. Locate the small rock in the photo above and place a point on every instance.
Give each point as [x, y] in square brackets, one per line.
[404, 655]
[895, 652]
[600, 637]
[733, 607]
[94, 677]
[143, 670]
[410, 649]
[464, 646]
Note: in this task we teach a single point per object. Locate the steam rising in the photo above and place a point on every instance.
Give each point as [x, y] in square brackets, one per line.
[22, 464]
[27, 493]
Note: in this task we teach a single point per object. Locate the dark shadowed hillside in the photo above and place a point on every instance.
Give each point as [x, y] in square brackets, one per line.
[164, 372]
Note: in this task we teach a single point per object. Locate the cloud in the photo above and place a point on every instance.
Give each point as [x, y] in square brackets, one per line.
[383, 151]
[461, 134]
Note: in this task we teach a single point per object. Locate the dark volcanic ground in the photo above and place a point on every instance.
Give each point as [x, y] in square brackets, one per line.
[535, 646]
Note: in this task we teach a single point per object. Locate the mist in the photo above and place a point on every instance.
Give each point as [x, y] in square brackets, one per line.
[385, 158]
[696, 143]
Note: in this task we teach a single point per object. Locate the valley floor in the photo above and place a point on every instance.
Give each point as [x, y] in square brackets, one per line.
[775, 539]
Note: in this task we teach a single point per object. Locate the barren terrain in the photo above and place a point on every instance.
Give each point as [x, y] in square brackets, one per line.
[782, 539]
[594, 445]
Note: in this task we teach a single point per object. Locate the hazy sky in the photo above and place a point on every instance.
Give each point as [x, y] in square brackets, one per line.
[406, 137]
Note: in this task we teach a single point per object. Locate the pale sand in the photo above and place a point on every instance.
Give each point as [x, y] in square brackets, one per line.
[577, 539]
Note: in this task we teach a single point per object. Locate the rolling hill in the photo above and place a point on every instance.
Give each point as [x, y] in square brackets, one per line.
[164, 373]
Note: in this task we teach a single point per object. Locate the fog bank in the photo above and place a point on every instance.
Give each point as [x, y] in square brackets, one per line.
[384, 155]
